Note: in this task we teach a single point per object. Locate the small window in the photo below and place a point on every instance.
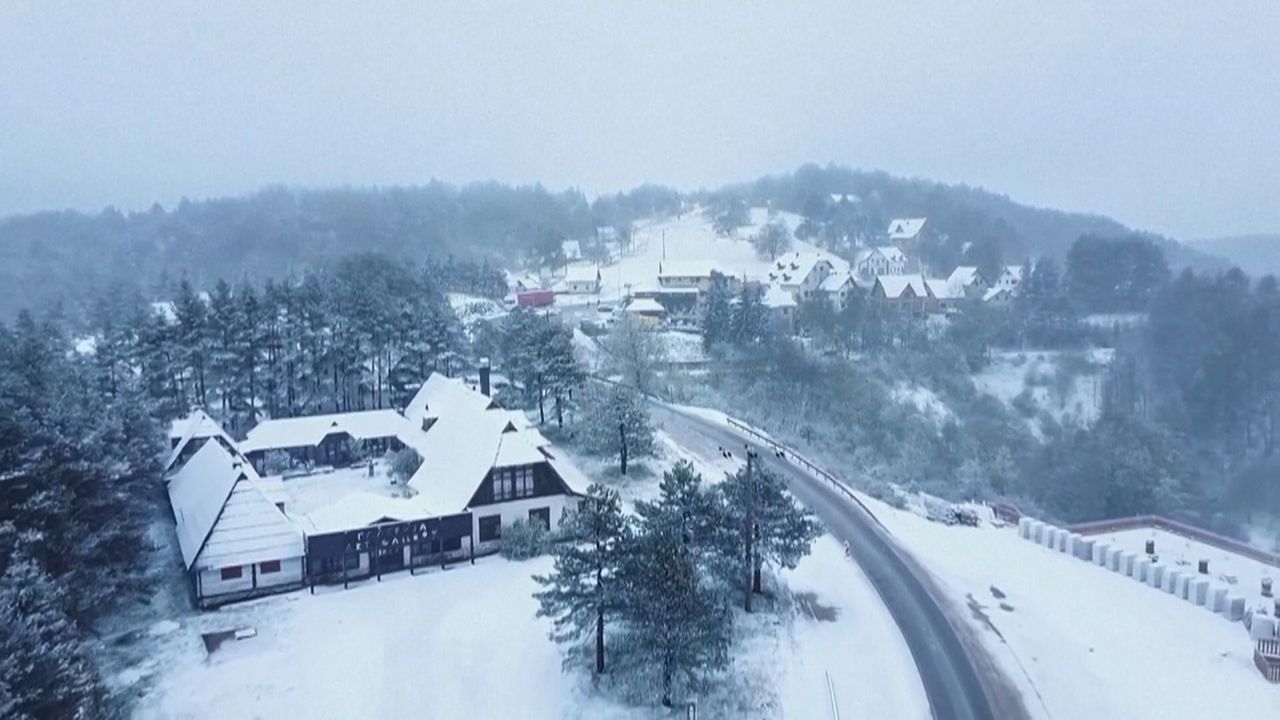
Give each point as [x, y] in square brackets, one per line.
[541, 516]
[451, 544]
[268, 567]
[232, 573]
[490, 528]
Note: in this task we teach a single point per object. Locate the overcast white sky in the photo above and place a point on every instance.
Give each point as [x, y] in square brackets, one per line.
[1163, 114]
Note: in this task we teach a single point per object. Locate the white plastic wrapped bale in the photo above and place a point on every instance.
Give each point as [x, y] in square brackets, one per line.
[1155, 576]
[1172, 578]
[1083, 547]
[1199, 592]
[1064, 541]
[1183, 590]
[1024, 528]
[1141, 567]
[1217, 599]
[1117, 557]
[1037, 531]
[1101, 551]
[1263, 627]
[1050, 536]
[1128, 562]
[1235, 608]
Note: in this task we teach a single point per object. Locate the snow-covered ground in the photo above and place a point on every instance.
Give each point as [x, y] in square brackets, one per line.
[689, 237]
[1241, 575]
[924, 400]
[1035, 373]
[1083, 642]
[466, 642]
[308, 493]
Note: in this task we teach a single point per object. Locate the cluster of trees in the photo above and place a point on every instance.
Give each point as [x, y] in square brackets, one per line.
[735, 320]
[1115, 274]
[659, 586]
[79, 461]
[536, 352]
[362, 335]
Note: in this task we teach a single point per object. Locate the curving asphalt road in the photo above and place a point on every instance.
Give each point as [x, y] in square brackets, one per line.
[960, 681]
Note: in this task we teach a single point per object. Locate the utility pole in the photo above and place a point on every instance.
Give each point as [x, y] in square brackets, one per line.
[750, 529]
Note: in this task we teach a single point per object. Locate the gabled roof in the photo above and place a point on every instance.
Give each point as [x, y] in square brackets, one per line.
[646, 305]
[309, 430]
[995, 293]
[964, 276]
[689, 268]
[223, 518]
[461, 449]
[195, 427]
[889, 252]
[943, 290]
[905, 228]
[797, 266]
[895, 285]
[440, 396]
[582, 274]
[1011, 271]
[834, 282]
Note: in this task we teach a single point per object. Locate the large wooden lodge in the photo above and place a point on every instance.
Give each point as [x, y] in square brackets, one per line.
[482, 469]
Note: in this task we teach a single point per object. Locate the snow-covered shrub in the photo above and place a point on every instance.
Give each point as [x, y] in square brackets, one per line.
[277, 462]
[404, 463]
[522, 540]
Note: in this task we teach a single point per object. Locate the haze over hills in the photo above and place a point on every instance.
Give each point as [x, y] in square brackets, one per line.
[67, 257]
[1255, 254]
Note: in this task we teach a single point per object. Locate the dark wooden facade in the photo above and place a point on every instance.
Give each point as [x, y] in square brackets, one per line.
[546, 482]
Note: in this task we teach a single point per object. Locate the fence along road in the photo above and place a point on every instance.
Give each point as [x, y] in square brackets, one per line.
[959, 679]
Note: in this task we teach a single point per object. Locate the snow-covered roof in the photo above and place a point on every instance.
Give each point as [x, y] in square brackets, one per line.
[196, 426]
[895, 285]
[889, 252]
[166, 310]
[646, 305]
[582, 274]
[360, 509]
[777, 298]
[572, 250]
[797, 266]
[1011, 271]
[835, 282]
[223, 517]
[689, 268]
[995, 293]
[905, 228]
[943, 290]
[964, 276]
[570, 474]
[309, 430]
[440, 396]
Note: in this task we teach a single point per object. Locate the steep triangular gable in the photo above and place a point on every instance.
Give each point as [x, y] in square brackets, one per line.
[198, 493]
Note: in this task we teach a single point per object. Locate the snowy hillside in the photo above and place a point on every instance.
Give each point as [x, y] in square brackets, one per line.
[1066, 387]
[688, 237]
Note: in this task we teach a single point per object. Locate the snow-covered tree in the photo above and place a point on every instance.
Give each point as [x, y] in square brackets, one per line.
[635, 351]
[581, 593]
[613, 418]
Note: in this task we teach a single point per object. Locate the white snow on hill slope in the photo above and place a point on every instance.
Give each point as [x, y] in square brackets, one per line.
[689, 237]
[1072, 398]
[923, 400]
[1082, 641]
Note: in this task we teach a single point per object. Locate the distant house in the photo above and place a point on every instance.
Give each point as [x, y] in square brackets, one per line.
[839, 288]
[904, 231]
[967, 280]
[946, 298]
[801, 274]
[572, 250]
[907, 292]
[1010, 279]
[883, 260]
[329, 439]
[581, 280]
[695, 274]
[650, 311]
[781, 306]
[187, 435]
[235, 541]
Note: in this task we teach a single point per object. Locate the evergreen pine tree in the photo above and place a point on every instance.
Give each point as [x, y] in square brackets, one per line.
[581, 593]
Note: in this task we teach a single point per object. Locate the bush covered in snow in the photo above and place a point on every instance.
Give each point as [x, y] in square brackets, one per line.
[522, 540]
[277, 462]
[404, 463]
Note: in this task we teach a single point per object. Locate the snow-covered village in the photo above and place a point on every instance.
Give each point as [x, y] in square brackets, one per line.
[369, 389]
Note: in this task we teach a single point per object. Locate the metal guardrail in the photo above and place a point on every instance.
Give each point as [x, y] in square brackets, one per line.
[1221, 542]
[831, 691]
[809, 465]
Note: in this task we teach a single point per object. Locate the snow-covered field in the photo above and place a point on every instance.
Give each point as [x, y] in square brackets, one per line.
[1081, 641]
[1010, 374]
[689, 237]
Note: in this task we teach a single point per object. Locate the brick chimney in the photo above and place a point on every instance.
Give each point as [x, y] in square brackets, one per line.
[484, 377]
